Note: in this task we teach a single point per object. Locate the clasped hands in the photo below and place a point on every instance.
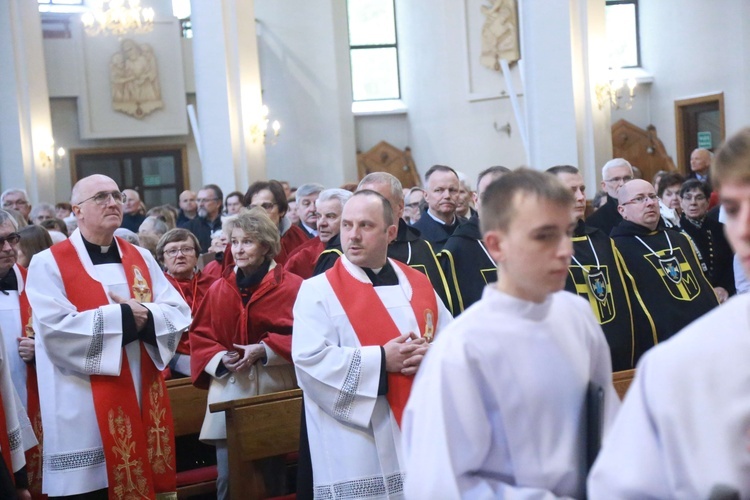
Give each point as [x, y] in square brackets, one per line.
[244, 357]
[405, 353]
[140, 312]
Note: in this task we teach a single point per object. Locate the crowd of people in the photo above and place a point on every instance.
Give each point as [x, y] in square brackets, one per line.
[450, 342]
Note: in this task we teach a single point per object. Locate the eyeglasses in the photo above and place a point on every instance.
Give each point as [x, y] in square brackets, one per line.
[623, 179]
[413, 205]
[640, 200]
[17, 203]
[12, 239]
[102, 198]
[697, 197]
[186, 251]
[206, 200]
[266, 205]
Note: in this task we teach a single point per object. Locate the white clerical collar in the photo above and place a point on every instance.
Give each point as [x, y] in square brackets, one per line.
[440, 221]
[310, 230]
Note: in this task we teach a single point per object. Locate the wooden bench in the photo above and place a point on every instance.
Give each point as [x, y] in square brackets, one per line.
[188, 411]
[259, 427]
[621, 381]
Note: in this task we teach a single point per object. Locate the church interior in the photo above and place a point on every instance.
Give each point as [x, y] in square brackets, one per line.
[293, 57]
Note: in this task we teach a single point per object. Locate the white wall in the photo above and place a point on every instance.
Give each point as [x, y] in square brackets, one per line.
[306, 84]
[692, 47]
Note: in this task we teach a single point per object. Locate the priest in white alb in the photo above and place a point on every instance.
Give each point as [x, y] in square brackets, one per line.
[360, 332]
[107, 322]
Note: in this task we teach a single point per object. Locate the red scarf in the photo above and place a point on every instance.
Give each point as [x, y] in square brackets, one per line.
[33, 455]
[138, 443]
[363, 306]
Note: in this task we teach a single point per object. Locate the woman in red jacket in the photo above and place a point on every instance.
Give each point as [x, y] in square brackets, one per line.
[242, 336]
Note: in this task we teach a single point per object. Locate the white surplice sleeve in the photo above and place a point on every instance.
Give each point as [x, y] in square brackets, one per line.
[20, 434]
[333, 370]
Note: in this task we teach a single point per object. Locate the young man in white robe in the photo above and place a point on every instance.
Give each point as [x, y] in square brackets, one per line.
[684, 428]
[360, 332]
[498, 409]
[107, 322]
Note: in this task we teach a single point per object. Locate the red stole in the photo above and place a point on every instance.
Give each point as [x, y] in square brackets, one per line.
[138, 443]
[34, 455]
[373, 324]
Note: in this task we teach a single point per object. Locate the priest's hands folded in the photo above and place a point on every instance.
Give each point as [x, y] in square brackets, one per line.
[405, 353]
[244, 357]
[140, 312]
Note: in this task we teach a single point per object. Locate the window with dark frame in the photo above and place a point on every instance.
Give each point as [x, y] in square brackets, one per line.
[373, 50]
[623, 37]
[157, 173]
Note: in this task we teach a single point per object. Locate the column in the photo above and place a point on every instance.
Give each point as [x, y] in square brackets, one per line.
[228, 92]
[563, 46]
[25, 123]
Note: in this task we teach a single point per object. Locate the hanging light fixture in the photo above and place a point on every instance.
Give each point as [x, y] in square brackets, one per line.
[117, 17]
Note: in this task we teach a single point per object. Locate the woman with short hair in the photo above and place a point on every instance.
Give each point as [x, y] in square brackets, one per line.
[241, 338]
[177, 251]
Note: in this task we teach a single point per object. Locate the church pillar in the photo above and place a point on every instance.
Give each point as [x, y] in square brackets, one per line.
[563, 46]
[25, 122]
[228, 92]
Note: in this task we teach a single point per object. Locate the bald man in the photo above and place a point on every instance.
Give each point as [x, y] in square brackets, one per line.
[188, 207]
[678, 291]
[132, 216]
[107, 322]
[700, 162]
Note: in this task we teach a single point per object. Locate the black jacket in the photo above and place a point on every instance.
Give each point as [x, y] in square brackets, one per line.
[597, 274]
[670, 282]
[606, 217]
[434, 232]
[467, 265]
[715, 251]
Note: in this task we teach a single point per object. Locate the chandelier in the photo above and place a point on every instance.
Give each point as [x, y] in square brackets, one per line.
[619, 93]
[259, 129]
[117, 17]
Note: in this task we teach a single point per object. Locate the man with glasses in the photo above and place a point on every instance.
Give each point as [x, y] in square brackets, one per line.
[615, 173]
[18, 345]
[107, 322]
[413, 205]
[663, 263]
[307, 194]
[210, 201]
[16, 199]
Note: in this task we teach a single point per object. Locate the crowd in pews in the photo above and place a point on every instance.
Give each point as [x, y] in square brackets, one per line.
[449, 342]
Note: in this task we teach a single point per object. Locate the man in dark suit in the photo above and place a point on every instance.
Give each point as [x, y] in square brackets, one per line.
[439, 221]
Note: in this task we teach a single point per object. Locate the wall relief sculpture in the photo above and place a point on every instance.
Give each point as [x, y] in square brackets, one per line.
[134, 79]
[500, 34]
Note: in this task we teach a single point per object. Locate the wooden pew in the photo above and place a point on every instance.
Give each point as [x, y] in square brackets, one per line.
[621, 381]
[188, 411]
[259, 427]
